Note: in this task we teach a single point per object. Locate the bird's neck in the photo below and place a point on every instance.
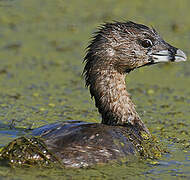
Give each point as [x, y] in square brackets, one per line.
[112, 99]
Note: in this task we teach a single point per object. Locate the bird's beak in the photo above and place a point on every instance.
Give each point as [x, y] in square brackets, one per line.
[167, 56]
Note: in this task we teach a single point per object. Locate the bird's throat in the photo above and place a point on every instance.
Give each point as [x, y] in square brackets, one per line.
[112, 99]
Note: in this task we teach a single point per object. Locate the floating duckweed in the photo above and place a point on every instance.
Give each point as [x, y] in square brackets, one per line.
[51, 105]
[145, 135]
[36, 94]
[42, 109]
[1, 149]
[150, 148]
[154, 162]
[28, 152]
[4, 105]
[150, 91]
[122, 144]
[62, 103]
[187, 145]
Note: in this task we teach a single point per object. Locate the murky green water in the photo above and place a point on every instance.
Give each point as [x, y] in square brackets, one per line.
[42, 44]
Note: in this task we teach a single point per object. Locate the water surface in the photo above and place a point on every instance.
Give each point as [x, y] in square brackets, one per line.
[42, 44]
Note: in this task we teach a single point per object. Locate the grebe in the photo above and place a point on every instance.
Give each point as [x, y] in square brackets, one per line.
[116, 49]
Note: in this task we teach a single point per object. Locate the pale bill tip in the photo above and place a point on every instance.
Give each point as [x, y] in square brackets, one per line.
[180, 56]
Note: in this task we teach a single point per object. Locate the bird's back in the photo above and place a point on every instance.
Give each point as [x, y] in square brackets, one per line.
[79, 144]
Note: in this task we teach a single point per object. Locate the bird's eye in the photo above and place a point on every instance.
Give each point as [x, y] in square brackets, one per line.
[147, 43]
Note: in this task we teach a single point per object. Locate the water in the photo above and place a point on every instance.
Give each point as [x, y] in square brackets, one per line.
[41, 49]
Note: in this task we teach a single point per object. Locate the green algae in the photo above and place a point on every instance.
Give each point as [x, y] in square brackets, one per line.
[28, 152]
[42, 45]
